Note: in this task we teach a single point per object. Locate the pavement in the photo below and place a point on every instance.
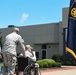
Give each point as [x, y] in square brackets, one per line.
[64, 70]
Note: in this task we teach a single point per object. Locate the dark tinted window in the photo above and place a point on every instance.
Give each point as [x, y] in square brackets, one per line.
[44, 46]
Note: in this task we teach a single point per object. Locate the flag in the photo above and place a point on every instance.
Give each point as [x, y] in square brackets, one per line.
[71, 33]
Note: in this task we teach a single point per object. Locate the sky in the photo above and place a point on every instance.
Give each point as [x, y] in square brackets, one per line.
[31, 12]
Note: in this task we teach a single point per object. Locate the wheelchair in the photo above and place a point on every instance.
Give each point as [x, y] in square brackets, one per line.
[28, 69]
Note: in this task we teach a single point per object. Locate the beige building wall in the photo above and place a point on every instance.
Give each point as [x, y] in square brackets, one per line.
[65, 12]
[60, 38]
[37, 35]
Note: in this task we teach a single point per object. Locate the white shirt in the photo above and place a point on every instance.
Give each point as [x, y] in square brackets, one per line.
[11, 41]
[30, 55]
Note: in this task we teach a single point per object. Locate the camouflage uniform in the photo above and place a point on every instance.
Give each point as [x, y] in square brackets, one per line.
[9, 64]
[9, 52]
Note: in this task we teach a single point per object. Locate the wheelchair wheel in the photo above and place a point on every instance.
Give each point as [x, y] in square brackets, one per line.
[37, 71]
[27, 72]
[31, 70]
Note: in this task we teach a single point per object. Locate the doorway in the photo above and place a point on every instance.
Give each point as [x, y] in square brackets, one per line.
[43, 54]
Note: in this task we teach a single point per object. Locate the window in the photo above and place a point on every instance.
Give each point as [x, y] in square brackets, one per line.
[44, 46]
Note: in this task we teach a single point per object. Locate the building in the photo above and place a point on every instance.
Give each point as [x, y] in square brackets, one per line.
[46, 39]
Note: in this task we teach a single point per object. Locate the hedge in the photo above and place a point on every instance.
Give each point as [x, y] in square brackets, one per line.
[48, 63]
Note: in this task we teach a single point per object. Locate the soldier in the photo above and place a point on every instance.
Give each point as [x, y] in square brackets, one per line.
[9, 51]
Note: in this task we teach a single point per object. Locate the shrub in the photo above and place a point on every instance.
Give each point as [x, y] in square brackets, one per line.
[57, 57]
[40, 62]
[58, 64]
[68, 63]
[1, 59]
[16, 68]
[47, 63]
[50, 62]
[74, 63]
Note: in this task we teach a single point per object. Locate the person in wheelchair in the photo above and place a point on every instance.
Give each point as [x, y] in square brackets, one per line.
[30, 54]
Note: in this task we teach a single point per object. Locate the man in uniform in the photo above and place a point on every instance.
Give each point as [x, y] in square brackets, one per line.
[9, 51]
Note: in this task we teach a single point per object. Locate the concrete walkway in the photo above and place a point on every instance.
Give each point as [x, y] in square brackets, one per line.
[65, 70]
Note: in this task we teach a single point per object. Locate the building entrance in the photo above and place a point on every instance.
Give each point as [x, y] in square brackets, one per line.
[43, 54]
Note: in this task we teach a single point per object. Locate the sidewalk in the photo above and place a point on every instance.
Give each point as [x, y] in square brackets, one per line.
[64, 70]
[58, 69]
